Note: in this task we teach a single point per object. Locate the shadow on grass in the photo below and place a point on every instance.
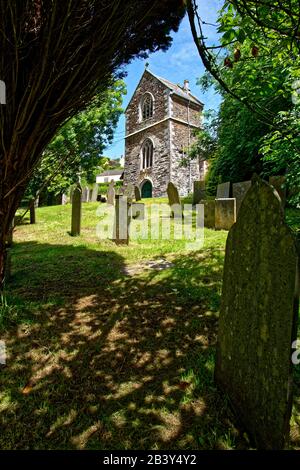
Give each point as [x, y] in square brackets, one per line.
[108, 361]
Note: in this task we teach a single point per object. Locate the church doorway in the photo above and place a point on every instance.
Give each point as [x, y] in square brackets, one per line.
[147, 189]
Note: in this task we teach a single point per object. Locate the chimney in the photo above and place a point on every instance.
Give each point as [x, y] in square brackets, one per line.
[186, 87]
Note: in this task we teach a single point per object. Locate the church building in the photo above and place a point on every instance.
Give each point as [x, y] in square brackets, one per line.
[160, 121]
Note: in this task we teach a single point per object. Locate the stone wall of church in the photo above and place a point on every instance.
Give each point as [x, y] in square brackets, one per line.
[159, 174]
[182, 177]
[160, 108]
[185, 111]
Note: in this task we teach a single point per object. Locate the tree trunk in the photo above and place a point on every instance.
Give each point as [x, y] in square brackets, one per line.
[2, 263]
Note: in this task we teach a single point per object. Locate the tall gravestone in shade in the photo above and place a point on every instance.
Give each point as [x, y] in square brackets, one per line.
[174, 200]
[257, 323]
[122, 220]
[223, 190]
[137, 193]
[209, 213]
[76, 211]
[198, 191]
[239, 191]
[111, 193]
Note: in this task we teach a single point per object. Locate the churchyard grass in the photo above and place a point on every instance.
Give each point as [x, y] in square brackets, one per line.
[101, 359]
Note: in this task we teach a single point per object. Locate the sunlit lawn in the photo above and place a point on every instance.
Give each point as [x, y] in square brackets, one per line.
[105, 352]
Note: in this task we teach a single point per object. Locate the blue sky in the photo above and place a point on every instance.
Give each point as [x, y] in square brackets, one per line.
[181, 61]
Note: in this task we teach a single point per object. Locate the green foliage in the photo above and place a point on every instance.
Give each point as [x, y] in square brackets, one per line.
[78, 146]
[259, 132]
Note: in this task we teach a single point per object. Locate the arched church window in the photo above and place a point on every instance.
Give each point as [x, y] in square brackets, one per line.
[147, 106]
[147, 154]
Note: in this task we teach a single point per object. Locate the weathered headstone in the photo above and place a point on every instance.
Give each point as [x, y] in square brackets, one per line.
[278, 182]
[174, 200]
[129, 190]
[225, 213]
[76, 211]
[64, 199]
[85, 194]
[137, 193]
[94, 193]
[257, 323]
[138, 210]
[111, 193]
[223, 190]
[209, 213]
[199, 191]
[121, 221]
[239, 191]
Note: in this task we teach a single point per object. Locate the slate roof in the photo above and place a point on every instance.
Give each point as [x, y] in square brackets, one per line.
[177, 90]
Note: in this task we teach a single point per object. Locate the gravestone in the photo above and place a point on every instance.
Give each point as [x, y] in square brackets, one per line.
[122, 220]
[76, 211]
[138, 210]
[225, 213]
[209, 213]
[174, 201]
[223, 190]
[198, 191]
[85, 194]
[278, 182]
[64, 199]
[111, 193]
[239, 191]
[257, 322]
[137, 193]
[94, 193]
[32, 216]
[129, 190]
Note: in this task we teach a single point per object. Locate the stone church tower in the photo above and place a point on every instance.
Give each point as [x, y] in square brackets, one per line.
[160, 120]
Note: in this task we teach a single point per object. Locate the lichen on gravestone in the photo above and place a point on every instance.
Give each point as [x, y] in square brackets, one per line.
[258, 316]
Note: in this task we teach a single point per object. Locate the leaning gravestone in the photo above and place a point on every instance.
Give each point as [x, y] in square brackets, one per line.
[279, 184]
[76, 211]
[257, 323]
[223, 190]
[198, 191]
[137, 193]
[111, 194]
[239, 191]
[174, 200]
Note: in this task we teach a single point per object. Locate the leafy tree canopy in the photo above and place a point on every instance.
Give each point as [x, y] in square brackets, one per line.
[255, 69]
[77, 149]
